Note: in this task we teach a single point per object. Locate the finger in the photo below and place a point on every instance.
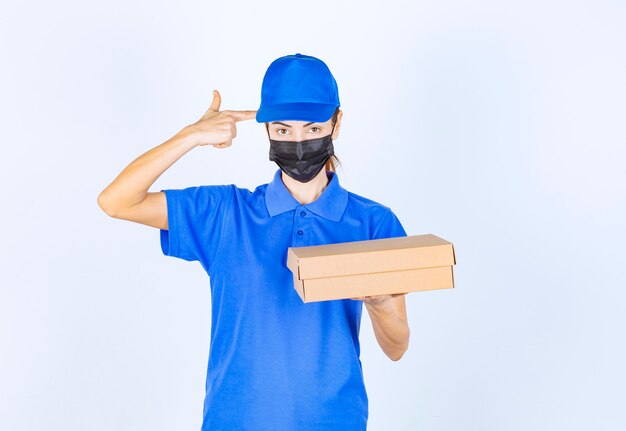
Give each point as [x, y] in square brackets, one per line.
[215, 106]
[241, 115]
[217, 101]
[224, 144]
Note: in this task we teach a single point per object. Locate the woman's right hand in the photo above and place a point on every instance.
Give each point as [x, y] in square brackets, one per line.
[215, 127]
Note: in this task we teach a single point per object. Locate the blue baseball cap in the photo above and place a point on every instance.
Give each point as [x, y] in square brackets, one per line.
[298, 88]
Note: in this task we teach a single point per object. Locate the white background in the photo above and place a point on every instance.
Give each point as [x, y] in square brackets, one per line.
[496, 125]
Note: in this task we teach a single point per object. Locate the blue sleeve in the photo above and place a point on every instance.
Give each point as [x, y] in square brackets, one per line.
[389, 227]
[195, 217]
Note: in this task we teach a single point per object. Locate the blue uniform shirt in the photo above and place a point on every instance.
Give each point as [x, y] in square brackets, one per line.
[275, 363]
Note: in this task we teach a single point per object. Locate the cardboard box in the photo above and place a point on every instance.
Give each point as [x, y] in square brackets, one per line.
[372, 267]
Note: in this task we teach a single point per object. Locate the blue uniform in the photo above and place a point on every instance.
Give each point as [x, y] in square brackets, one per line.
[275, 363]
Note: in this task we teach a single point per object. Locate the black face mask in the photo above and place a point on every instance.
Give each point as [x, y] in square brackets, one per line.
[302, 160]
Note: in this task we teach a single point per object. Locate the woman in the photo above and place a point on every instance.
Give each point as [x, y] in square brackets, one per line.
[275, 363]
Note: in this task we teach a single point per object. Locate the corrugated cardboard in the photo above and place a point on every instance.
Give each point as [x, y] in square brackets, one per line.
[373, 267]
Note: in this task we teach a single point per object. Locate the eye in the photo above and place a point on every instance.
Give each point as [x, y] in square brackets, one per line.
[315, 127]
[280, 131]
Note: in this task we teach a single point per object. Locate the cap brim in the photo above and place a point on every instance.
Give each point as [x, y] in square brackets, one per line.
[317, 112]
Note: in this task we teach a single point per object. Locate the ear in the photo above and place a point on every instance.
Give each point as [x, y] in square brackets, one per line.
[337, 125]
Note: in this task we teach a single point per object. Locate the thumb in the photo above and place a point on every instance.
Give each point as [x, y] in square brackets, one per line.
[217, 101]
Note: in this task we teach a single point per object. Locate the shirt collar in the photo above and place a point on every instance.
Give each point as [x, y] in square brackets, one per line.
[331, 204]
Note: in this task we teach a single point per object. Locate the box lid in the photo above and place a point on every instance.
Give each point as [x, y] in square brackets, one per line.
[370, 256]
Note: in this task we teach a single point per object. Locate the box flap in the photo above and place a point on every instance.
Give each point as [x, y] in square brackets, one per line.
[453, 255]
[382, 283]
[292, 260]
[370, 256]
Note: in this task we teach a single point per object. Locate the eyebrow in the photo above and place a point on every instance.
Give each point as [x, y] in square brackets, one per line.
[287, 125]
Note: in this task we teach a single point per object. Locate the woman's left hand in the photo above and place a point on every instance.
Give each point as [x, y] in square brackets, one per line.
[377, 299]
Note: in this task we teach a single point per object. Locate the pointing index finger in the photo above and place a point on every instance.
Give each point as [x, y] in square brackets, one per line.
[241, 115]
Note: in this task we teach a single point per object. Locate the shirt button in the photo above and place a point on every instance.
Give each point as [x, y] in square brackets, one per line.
[300, 232]
[302, 213]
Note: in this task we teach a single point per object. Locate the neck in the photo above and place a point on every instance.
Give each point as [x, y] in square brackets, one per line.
[305, 193]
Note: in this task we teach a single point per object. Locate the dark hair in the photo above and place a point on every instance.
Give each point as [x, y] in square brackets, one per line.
[333, 162]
